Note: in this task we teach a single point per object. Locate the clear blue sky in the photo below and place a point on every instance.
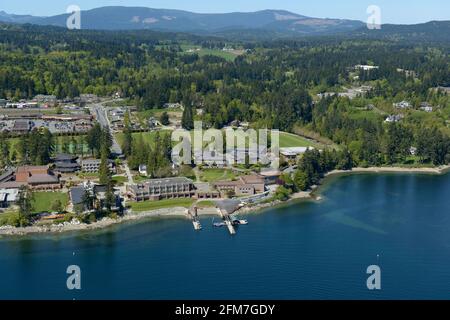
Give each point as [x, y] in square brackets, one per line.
[393, 11]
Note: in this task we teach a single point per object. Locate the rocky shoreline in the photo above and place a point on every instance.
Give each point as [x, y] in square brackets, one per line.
[182, 212]
[104, 223]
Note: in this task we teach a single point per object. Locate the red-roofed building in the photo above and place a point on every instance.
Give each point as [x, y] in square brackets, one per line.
[36, 177]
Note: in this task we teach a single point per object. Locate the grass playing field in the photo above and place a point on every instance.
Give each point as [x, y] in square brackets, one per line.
[43, 201]
[227, 55]
[286, 139]
[289, 140]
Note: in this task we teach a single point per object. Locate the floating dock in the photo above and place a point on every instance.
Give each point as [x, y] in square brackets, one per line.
[225, 208]
[193, 216]
[227, 219]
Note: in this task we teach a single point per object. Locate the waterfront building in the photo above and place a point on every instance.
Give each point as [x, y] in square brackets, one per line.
[205, 191]
[97, 194]
[270, 177]
[244, 186]
[157, 189]
[35, 177]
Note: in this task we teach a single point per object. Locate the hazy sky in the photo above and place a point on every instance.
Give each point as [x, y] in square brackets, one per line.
[393, 11]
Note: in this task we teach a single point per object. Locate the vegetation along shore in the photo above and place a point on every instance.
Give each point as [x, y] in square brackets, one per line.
[180, 212]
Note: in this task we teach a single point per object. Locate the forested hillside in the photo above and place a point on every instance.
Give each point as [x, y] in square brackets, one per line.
[272, 83]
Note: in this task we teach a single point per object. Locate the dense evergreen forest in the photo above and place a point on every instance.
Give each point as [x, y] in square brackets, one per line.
[272, 84]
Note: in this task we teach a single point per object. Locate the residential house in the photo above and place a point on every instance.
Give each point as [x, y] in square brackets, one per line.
[425, 106]
[402, 105]
[394, 118]
[173, 106]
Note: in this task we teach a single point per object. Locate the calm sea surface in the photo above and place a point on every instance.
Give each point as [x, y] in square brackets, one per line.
[307, 250]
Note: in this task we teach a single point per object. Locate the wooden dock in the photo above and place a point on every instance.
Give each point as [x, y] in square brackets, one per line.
[193, 216]
[226, 217]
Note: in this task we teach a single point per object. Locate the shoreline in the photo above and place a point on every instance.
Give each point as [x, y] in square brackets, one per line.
[180, 212]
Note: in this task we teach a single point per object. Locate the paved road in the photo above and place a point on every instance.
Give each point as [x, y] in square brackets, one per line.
[100, 113]
[128, 173]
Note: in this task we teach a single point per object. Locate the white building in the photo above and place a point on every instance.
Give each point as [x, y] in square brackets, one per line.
[425, 106]
[402, 105]
[365, 67]
[394, 118]
[293, 152]
[143, 170]
[8, 197]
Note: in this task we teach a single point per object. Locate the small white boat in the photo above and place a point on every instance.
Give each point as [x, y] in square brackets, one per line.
[219, 224]
[240, 222]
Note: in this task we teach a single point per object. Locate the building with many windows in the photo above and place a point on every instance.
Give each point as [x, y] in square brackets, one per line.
[93, 165]
[157, 189]
[244, 186]
[35, 177]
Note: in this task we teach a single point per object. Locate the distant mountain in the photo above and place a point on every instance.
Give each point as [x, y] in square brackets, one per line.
[137, 18]
[14, 18]
[429, 31]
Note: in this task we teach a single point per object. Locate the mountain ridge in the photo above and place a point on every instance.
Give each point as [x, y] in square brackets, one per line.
[136, 18]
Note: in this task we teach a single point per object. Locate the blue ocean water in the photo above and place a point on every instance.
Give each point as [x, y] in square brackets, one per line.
[306, 250]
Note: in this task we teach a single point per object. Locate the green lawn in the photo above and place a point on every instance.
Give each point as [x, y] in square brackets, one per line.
[146, 114]
[43, 201]
[154, 205]
[213, 175]
[139, 178]
[229, 56]
[288, 140]
[119, 179]
[370, 115]
[6, 218]
[205, 204]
